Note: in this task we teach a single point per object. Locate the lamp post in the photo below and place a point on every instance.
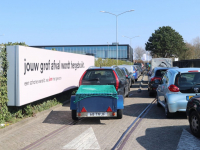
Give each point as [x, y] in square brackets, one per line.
[116, 15]
[108, 51]
[130, 42]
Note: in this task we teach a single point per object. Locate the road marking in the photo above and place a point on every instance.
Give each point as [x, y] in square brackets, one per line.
[188, 141]
[87, 140]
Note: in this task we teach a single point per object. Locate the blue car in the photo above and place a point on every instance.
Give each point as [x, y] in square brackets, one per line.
[176, 88]
[135, 73]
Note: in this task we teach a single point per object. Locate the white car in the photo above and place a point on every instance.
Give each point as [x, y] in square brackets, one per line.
[176, 88]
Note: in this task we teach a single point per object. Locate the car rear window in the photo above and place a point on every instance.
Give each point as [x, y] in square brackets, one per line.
[160, 73]
[188, 81]
[92, 75]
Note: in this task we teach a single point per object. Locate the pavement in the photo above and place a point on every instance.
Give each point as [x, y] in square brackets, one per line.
[55, 129]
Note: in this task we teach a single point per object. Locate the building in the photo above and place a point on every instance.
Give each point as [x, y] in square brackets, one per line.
[125, 51]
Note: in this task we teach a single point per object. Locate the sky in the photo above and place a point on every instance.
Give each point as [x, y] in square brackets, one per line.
[80, 22]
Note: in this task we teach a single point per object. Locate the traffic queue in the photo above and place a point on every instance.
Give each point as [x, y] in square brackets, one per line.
[175, 89]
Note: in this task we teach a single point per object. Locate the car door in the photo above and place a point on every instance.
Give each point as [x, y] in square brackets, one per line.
[162, 89]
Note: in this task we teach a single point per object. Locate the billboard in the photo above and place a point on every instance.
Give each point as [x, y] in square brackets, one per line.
[35, 73]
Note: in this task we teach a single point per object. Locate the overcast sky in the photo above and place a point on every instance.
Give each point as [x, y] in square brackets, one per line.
[80, 22]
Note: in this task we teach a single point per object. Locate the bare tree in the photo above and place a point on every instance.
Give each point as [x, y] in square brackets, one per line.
[196, 44]
[139, 51]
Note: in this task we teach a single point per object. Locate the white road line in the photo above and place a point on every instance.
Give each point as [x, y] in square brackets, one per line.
[188, 141]
[87, 140]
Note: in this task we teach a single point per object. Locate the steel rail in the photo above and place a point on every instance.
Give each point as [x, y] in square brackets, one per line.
[125, 134]
[53, 133]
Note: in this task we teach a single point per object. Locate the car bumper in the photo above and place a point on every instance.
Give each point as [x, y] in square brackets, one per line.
[177, 102]
[153, 88]
[135, 76]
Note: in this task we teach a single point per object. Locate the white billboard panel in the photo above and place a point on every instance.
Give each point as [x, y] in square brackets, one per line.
[38, 73]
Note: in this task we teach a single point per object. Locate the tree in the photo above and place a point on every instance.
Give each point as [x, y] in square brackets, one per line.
[196, 45]
[53, 49]
[139, 51]
[165, 42]
[16, 43]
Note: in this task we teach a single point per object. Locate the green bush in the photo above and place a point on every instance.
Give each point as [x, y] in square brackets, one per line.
[110, 62]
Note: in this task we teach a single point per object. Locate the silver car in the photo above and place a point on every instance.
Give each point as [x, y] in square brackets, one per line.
[176, 88]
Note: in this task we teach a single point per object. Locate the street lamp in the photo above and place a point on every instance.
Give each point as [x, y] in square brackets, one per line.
[116, 25]
[130, 42]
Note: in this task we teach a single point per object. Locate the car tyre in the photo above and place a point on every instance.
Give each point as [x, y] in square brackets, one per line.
[195, 124]
[150, 94]
[119, 113]
[167, 113]
[74, 115]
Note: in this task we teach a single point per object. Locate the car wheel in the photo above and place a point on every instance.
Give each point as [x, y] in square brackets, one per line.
[167, 113]
[150, 94]
[195, 124]
[127, 94]
[158, 104]
[133, 81]
[119, 113]
[74, 115]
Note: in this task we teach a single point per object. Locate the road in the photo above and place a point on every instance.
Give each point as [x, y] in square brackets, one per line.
[56, 130]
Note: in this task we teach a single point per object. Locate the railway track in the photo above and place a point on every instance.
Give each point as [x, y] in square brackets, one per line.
[125, 136]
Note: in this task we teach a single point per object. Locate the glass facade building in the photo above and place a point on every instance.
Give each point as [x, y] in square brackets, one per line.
[125, 52]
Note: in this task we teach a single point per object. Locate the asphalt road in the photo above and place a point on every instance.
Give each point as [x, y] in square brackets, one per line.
[56, 130]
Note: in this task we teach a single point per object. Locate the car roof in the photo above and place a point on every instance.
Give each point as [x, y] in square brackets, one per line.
[92, 68]
[160, 68]
[182, 70]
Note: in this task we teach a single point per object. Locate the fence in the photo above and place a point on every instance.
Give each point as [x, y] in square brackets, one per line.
[187, 63]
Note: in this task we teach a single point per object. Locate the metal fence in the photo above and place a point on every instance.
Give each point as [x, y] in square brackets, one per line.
[187, 63]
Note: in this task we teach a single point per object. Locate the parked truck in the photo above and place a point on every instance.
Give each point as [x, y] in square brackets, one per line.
[96, 101]
[161, 62]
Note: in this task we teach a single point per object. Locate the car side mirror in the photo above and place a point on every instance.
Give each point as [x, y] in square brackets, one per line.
[157, 81]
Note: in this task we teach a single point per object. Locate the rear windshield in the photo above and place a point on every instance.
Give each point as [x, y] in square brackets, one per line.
[160, 73]
[92, 75]
[188, 81]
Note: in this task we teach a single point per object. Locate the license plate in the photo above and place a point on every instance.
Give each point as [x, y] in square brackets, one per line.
[188, 97]
[95, 114]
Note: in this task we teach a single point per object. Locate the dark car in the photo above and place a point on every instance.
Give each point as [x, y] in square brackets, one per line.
[126, 74]
[106, 76]
[193, 115]
[156, 74]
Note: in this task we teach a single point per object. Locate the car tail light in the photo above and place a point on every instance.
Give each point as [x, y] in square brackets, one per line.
[126, 75]
[109, 109]
[117, 80]
[133, 71]
[154, 78]
[173, 88]
[80, 81]
[193, 71]
[83, 110]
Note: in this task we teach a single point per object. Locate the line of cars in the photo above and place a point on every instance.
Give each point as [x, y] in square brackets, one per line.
[122, 77]
[178, 90]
